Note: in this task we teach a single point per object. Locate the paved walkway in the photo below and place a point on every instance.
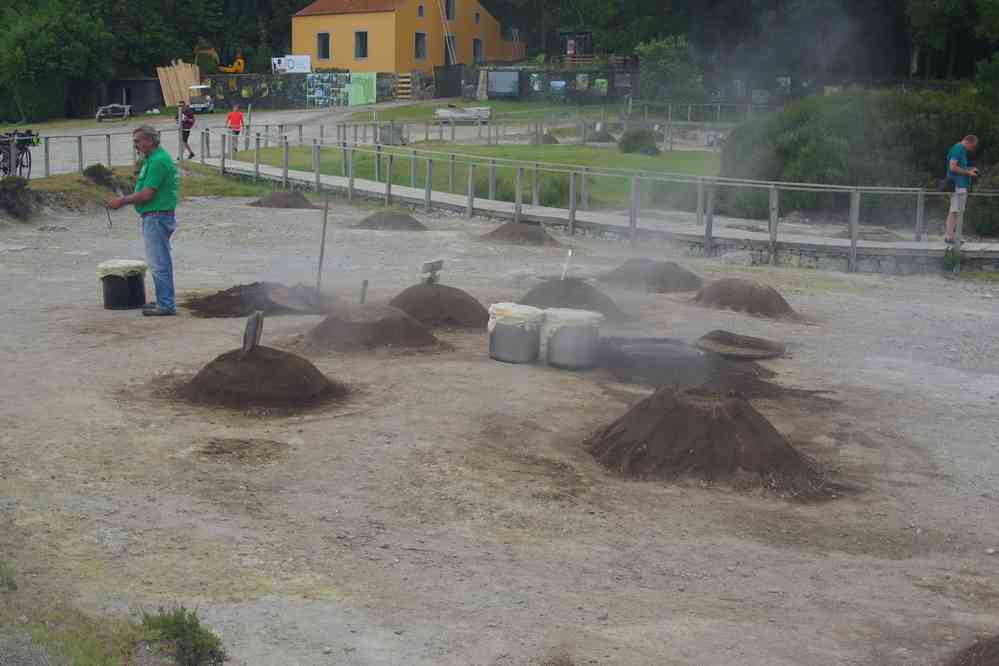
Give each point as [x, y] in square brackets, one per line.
[674, 225]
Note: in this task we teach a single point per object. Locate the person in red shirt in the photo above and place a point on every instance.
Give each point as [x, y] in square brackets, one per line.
[234, 120]
[186, 119]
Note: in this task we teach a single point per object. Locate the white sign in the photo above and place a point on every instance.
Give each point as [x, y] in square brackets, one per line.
[292, 64]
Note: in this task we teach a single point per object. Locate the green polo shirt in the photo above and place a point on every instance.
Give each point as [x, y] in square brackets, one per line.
[159, 173]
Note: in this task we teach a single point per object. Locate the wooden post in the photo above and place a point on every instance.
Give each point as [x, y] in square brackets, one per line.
[284, 162]
[428, 185]
[700, 201]
[389, 170]
[492, 180]
[47, 163]
[920, 214]
[108, 142]
[470, 191]
[412, 169]
[517, 205]
[450, 172]
[322, 247]
[854, 228]
[256, 158]
[79, 155]
[536, 186]
[315, 162]
[774, 219]
[572, 203]
[633, 212]
[222, 153]
[709, 221]
[452, 131]
[378, 162]
[584, 188]
[350, 174]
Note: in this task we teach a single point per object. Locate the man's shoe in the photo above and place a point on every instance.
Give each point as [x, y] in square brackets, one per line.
[157, 312]
[149, 306]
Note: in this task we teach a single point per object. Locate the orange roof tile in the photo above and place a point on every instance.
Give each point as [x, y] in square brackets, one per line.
[321, 7]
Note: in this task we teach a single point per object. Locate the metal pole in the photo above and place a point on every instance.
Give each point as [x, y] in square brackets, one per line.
[718, 114]
[322, 247]
[584, 189]
[572, 203]
[378, 162]
[267, 136]
[343, 155]
[450, 173]
[774, 218]
[452, 130]
[222, 154]
[633, 213]
[45, 148]
[107, 137]
[428, 185]
[322, 132]
[854, 228]
[256, 158]
[690, 111]
[350, 175]
[958, 235]
[700, 202]
[388, 179]
[478, 127]
[536, 186]
[920, 214]
[284, 161]
[412, 169]
[517, 206]
[426, 131]
[364, 291]
[206, 145]
[355, 135]
[301, 138]
[470, 192]
[79, 155]
[709, 222]
[180, 139]
[315, 161]
[492, 180]
[440, 128]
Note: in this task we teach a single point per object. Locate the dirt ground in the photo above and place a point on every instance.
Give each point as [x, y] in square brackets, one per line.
[447, 513]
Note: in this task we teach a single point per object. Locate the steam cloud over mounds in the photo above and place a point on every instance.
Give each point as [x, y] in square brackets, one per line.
[437, 305]
[653, 276]
[575, 294]
[704, 436]
[359, 327]
[262, 377]
[745, 296]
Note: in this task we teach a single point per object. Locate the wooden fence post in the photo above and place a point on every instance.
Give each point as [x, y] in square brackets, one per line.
[470, 191]
[572, 203]
[519, 187]
[920, 214]
[774, 220]
[854, 228]
[256, 158]
[709, 221]
[428, 186]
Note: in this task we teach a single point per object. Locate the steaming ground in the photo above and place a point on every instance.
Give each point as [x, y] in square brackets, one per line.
[448, 513]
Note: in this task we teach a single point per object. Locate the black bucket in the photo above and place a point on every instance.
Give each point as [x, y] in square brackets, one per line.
[124, 293]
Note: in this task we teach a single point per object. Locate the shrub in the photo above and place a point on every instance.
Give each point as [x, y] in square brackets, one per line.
[554, 191]
[99, 175]
[15, 197]
[639, 140]
[194, 645]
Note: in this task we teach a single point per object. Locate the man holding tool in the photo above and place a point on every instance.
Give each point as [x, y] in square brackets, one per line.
[155, 199]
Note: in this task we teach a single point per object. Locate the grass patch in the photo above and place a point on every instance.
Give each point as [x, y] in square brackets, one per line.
[604, 192]
[198, 180]
[423, 111]
[7, 582]
[981, 277]
[193, 644]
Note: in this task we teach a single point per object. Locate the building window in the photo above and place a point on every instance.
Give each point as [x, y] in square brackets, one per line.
[419, 11]
[478, 17]
[323, 46]
[360, 45]
[449, 9]
[477, 56]
[420, 46]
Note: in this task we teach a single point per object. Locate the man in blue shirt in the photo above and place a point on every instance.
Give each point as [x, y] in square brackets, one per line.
[958, 171]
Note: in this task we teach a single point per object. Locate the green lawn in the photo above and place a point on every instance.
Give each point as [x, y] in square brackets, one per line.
[423, 111]
[604, 191]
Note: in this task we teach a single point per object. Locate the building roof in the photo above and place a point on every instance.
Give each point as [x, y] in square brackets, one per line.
[324, 7]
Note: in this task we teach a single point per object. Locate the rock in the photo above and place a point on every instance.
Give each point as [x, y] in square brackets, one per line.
[990, 551]
[327, 650]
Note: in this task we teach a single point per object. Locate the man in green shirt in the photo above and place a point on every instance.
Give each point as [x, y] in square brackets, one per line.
[155, 199]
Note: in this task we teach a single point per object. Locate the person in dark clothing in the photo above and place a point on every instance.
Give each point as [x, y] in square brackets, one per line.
[185, 117]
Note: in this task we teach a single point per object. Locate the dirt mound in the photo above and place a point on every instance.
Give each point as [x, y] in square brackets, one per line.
[520, 233]
[572, 293]
[439, 305]
[282, 199]
[262, 377]
[367, 327]
[984, 652]
[733, 345]
[745, 296]
[391, 222]
[707, 436]
[269, 297]
[654, 276]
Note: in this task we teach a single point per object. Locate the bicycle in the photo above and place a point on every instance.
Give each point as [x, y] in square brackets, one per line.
[21, 142]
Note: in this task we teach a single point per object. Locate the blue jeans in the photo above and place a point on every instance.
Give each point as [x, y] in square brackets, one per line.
[156, 231]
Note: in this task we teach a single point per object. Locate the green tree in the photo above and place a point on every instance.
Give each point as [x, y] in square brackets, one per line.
[669, 70]
[47, 50]
[941, 27]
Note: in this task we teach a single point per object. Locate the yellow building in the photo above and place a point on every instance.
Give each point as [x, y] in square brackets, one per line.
[399, 35]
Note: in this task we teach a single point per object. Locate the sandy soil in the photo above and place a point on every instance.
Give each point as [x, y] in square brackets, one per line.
[447, 514]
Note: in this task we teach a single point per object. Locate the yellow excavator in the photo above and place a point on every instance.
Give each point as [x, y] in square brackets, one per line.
[237, 66]
[206, 54]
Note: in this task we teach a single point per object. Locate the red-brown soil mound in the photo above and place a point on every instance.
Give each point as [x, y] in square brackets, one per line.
[655, 276]
[711, 437]
[367, 327]
[385, 221]
[745, 296]
[262, 377]
[290, 199]
[520, 233]
[436, 305]
[271, 298]
[982, 653]
[572, 293]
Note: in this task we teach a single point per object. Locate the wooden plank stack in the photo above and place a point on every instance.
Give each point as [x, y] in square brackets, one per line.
[175, 81]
